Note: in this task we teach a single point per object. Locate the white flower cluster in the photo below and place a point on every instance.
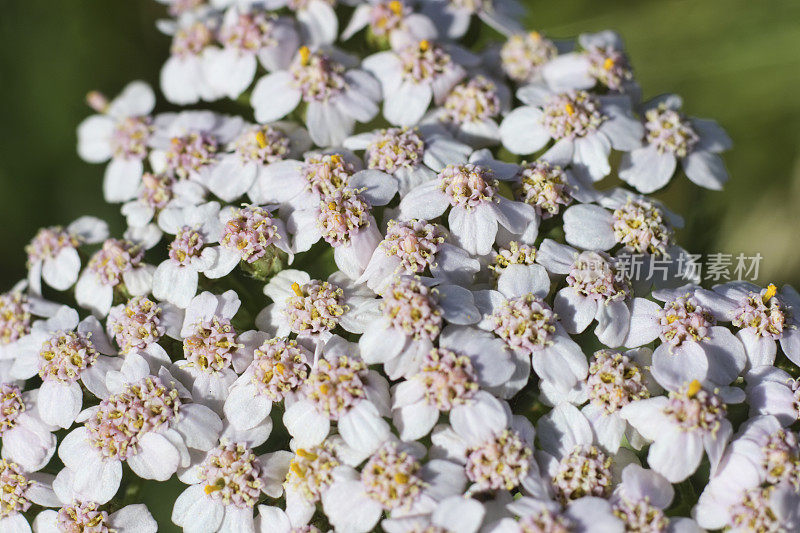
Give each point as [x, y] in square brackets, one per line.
[327, 320]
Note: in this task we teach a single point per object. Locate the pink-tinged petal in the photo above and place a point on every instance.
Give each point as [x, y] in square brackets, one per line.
[136, 99]
[416, 420]
[609, 428]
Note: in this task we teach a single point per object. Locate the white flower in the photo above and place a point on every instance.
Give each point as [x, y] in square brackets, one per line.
[391, 21]
[476, 207]
[582, 515]
[416, 74]
[684, 424]
[249, 36]
[470, 111]
[692, 345]
[226, 485]
[602, 60]
[641, 498]
[117, 263]
[214, 352]
[63, 352]
[572, 464]
[401, 327]
[495, 446]
[251, 234]
[671, 137]
[120, 132]
[340, 389]
[584, 127]
[26, 439]
[183, 78]
[456, 513]
[345, 221]
[596, 290]
[77, 515]
[195, 228]
[756, 484]
[294, 184]
[17, 309]
[640, 224]
[764, 317]
[453, 17]
[249, 155]
[317, 19]
[523, 55]
[517, 313]
[395, 480]
[186, 144]
[413, 247]
[615, 379]
[156, 449]
[466, 361]
[411, 156]
[312, 308]
[157, 192]
[772, 391]
[53, 254]
[336, 97]
[21, 488]
[280, 366]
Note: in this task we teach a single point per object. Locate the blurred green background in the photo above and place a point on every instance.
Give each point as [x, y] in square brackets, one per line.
[737, 61]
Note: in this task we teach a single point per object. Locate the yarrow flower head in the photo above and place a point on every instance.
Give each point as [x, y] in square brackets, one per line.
[15, 317]
[120, 422]
[572, 114]
[545, 187]
[522, 55]
[136, 324]
[585, 471]
[641, 227]
[615, 381]
[412, 307]
[526, 323]
[500, 463]
[394, 149]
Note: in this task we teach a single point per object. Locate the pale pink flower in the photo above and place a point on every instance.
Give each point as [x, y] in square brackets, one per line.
[119, 132]
[391, 21]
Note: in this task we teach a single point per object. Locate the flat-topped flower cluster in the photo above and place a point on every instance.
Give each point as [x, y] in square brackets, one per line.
[386, 295]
